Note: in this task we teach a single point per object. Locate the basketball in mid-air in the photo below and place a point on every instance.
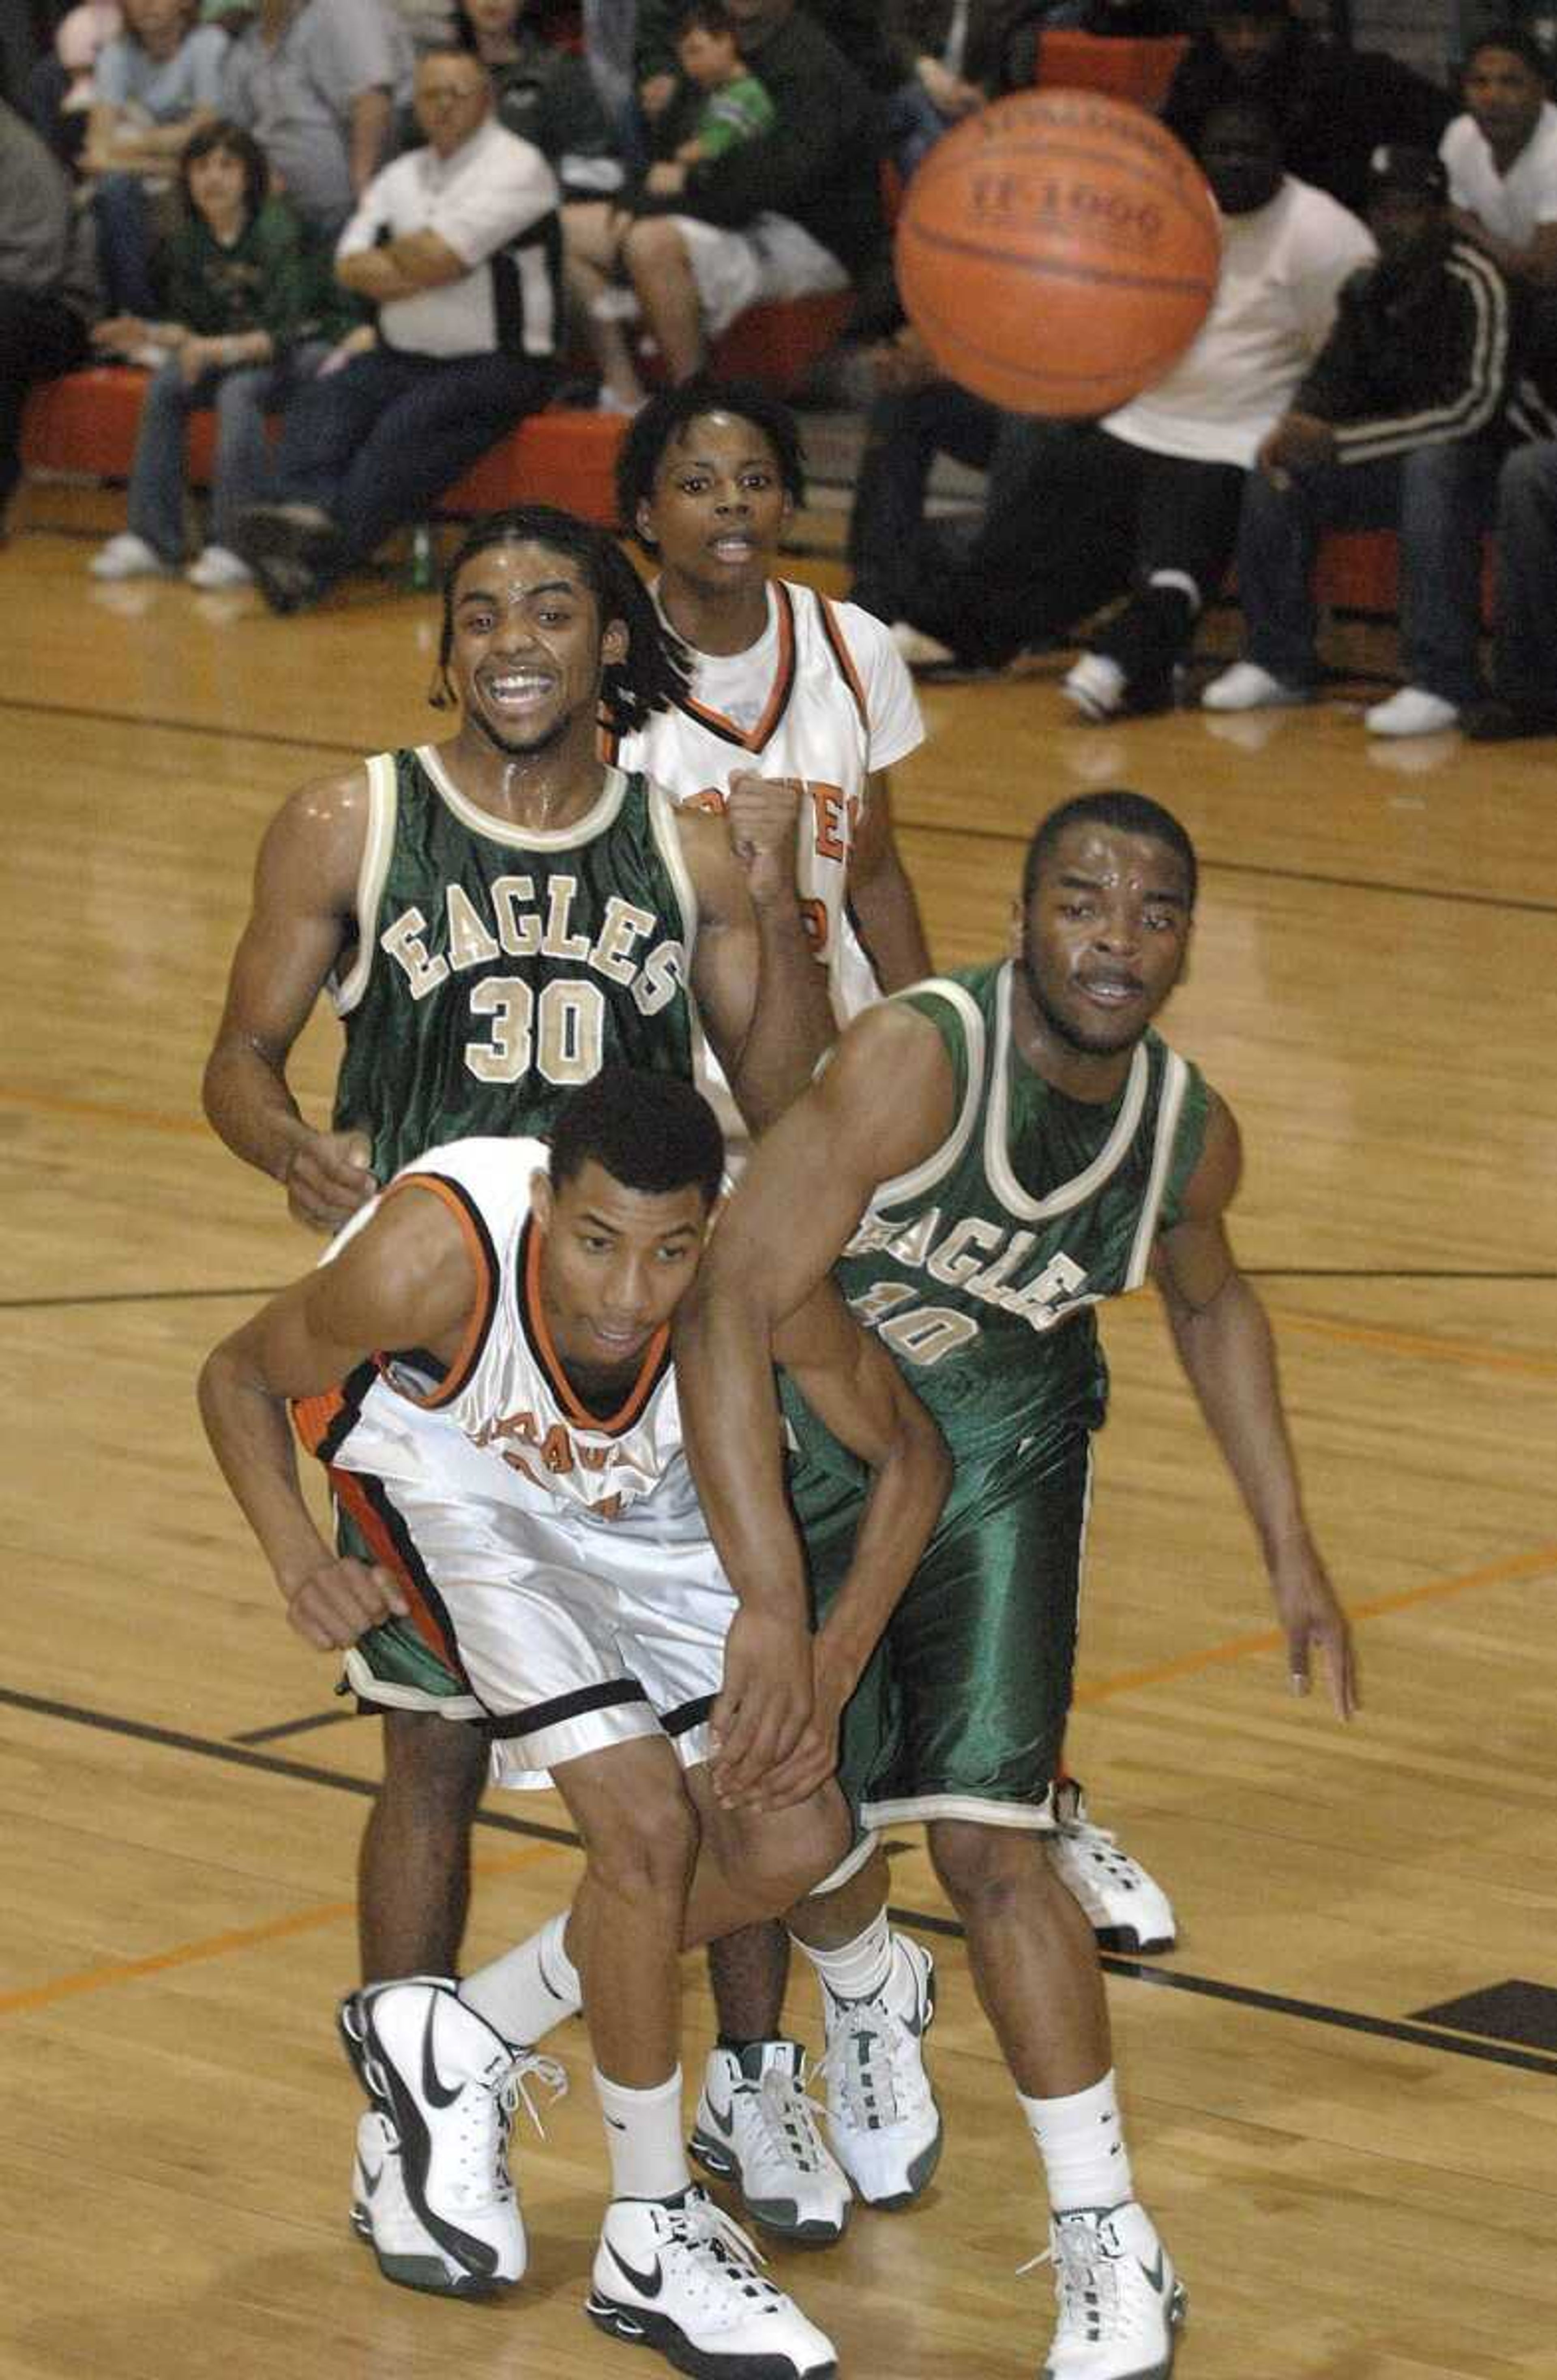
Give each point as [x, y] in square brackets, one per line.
[1057, 251]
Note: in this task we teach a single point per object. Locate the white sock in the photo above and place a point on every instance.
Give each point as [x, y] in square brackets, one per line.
[1081, 2142]
[860, 1969]
[645, 2138]
[530, 1989]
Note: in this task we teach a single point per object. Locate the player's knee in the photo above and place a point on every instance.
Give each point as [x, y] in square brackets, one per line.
[438, 1765]
[652, 242]
[777, 1858]
[984, 1869]
[642, 1846]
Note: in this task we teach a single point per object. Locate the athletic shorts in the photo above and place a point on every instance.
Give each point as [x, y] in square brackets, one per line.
[556, 1638]
[769, 256]
[962, 1712]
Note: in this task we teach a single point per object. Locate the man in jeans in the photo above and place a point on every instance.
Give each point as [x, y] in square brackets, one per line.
[458, 245]
[1390, 430]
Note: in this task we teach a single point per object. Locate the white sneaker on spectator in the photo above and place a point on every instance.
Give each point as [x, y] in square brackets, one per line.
[128, 556]
[917, 650]
[219, 567]
[755, 2125]
[1120, 2300]
[1412, 711]
[1128, 1911]
[1095, 685]
[1246, 686]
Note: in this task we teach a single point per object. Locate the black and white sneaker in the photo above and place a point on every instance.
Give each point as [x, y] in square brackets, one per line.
[882, 2114]
[1120, 2302]
[447, 2086]
[678, 2276]
[1128, 1910]
[754, 2127]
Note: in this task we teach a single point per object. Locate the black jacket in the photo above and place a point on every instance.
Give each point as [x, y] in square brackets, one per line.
[1413, 362]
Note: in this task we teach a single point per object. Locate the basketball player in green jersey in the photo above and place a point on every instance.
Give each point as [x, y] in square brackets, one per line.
[984, 1159]
[495, 917]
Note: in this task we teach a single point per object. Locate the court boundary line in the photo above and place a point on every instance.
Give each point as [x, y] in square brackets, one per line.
[1408, 2030]
[1209, 863]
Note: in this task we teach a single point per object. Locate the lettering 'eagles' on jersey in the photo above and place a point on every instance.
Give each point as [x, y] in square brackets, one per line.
[982, 1267]
[502, 1425]
[500, 967]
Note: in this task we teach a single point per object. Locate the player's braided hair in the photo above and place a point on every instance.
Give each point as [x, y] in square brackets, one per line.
[666, 416]
[655, 670]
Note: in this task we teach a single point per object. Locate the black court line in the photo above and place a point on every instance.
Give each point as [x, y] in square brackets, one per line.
[132, 1297]
[1415, 2035]
[296, 1726]
[1006, 838]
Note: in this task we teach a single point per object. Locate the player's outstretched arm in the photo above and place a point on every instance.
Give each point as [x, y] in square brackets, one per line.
[762, 997]
[302, 917]
[405, 1280]
[883, 1104]
[881, 896]
[1223, 1341]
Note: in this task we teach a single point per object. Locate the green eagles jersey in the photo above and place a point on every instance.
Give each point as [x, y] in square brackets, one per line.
[498, 967]
[982, 1267]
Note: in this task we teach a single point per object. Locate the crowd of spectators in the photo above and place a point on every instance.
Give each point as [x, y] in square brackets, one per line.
[290, 215]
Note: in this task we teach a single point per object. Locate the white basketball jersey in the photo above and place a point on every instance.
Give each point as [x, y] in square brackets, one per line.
[503, 1423]
[814, 723]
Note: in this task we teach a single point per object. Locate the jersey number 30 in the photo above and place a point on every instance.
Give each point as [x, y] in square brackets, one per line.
[561, 1034]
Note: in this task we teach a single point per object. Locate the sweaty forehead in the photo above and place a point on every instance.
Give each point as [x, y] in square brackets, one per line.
[594, 1194]
[718, 434]
[1108, 854]
[519, 566]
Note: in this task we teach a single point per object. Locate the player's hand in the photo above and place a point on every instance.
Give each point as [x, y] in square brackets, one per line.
[1299, 441]
[341, 1600]
[763, 812]
[1314, 1622]
[764, 1704]
[815, 1756]
[655, 93]
[327, 1179]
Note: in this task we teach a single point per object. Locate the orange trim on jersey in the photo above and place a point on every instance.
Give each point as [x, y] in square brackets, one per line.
[579, 1415]
[352, 1493]
[779, 693]
[484, 1257]
[832, 630]
[311, 1417]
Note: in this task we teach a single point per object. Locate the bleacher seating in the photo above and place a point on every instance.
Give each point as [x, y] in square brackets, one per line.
[1140, 70]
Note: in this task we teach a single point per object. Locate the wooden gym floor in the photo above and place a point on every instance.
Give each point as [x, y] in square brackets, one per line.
[1342, 2086]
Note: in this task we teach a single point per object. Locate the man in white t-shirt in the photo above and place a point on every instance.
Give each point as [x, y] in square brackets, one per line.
[458, 246]
[1171, 502]
[1502, 159]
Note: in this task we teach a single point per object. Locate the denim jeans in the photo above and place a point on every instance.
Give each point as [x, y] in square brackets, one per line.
[377, 442]
[1525, 651]
[242, 400]
[126, 239]
[1436, 498]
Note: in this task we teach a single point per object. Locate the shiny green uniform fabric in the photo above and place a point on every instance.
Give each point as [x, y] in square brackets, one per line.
[509, 967]
[981, 1272]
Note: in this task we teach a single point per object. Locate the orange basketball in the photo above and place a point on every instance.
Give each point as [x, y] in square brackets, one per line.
[1058, 251]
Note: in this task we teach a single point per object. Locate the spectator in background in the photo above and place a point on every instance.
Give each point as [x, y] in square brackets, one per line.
[544, 94]
[1502, 160]
[48, 281]
[317, 83]
[944, 59]
[731, 106]
[1336, 104]
[1024, 24]
[241, 300]
[156, 82]
[62, 88]
[794, 212]
[1524, 699]
[1390, 430]
[459, 246]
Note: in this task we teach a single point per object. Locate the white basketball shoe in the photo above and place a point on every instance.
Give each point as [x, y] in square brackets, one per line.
[680, 2276]
[445, 2086]
[1127, 1909]
[1120, 2300]
[754, 2126]
[880, 2110]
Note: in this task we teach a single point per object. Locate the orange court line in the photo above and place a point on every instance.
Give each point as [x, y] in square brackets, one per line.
[1407, 1342]
[242, 1937]
[101, 1112]
[1269, 1640]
